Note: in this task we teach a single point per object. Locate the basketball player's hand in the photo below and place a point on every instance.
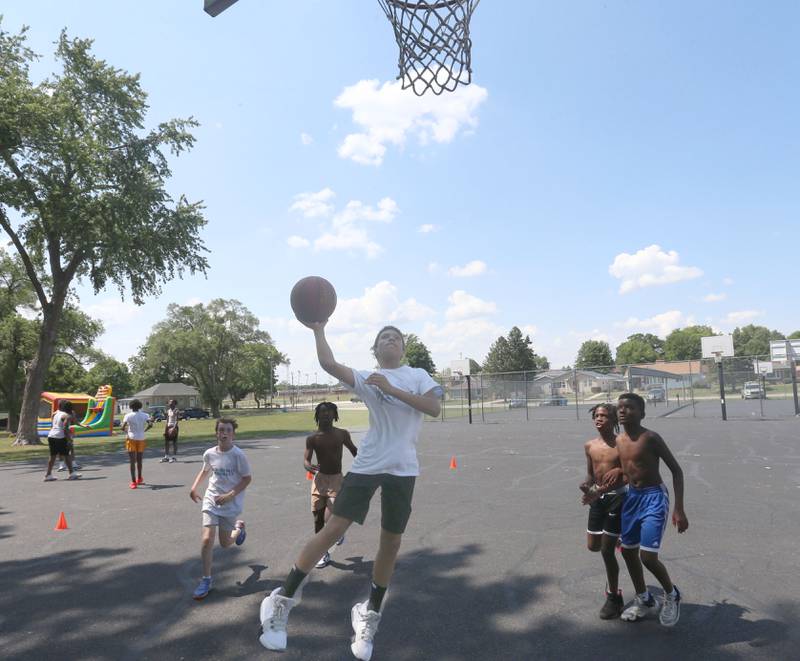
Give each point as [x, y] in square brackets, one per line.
[679, 520]
[584, 486]
[224, 498]
[611, 479]
[312, 468]
[193, 495]
[380, 381]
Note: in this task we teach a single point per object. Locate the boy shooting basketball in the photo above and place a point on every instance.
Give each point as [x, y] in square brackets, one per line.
[604, 488]
[327, 444]
[646, 508]
[397, 397]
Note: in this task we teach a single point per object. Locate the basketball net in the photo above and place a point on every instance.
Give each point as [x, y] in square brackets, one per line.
[434, 42]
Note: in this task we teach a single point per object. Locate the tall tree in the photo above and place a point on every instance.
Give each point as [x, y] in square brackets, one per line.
[513, 353]
[260, 370]
[685, 344]
[752, 340]
[209, 343]
[417, 354]
[79, 180]
[640, 348]
[108, 370]
[794, 336]
[594, 353]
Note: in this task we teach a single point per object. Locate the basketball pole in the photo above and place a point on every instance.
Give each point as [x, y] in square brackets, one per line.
[793, 369]
[469, 399]
[722, 389]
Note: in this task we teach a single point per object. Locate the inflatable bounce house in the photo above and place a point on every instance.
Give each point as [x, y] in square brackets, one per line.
[96, 414]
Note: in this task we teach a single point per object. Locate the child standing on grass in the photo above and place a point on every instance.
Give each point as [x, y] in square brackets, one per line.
[135, 424]
[171, 432]
[224, 497]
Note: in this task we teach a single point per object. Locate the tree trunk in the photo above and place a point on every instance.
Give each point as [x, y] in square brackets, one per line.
[27, 433]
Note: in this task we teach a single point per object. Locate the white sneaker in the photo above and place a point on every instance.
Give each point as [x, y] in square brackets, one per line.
[671, 610]
[365, 626]
[274, 615]
[75, 476]
[340, 541]
[164, 460]
[639, 609]
[324, 561]
[173, 460]
[49, 478]
[76, 466]
[62, 468]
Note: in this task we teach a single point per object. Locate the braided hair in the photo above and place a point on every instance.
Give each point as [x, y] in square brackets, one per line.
[326, 405]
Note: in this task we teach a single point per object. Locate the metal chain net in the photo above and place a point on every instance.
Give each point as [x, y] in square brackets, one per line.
[434, 43]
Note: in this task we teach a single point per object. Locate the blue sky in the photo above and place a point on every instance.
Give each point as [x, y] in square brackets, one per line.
[614, 168]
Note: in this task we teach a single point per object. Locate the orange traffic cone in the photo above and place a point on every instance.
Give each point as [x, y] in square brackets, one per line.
[62, 522]
[453, 464]
[309, 475]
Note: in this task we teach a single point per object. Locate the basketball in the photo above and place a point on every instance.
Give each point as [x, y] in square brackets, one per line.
[313, 299]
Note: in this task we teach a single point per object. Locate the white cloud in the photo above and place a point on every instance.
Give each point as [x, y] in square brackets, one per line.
[648, 267]
[727, 281]
[473, 268]
[348, 237]
[529, 329]
[295, 241]
[314, 205]
[467, 306]
[347, 231]
[379, 305]
[356, 210]
[660, 324]
[388, 115]
[470, 337]
[306, 139]
[112, 312]
[714, 298]
[427, 228]
[741, 317]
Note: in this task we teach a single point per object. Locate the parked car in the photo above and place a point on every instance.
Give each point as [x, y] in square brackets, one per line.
[753, 390]
[193, 414]
[516, 404]
[156, 413]
[657, 394]
[554, 401]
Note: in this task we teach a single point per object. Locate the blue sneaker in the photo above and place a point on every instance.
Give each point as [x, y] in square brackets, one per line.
[242, 533]
[202, 590]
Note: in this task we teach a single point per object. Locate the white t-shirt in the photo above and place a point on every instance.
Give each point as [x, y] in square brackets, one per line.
[60, 425]
[228, 469]
[390, 445]
[172, 417]
[136, 421]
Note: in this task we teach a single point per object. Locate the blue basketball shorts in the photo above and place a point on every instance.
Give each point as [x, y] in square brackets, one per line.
[644, 517]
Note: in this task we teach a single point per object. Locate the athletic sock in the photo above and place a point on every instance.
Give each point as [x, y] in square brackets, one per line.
[292, 582]
[376, 594]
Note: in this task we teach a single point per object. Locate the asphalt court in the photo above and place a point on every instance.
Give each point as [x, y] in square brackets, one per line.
[493, 564]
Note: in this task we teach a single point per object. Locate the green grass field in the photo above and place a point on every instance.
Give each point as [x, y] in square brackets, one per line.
[252, 424]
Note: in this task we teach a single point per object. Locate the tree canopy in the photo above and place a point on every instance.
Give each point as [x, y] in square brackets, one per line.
[752, 340]
[685, 344]
[83, 187]
[640, 348]
[417, 354]
[213, 345]
[513, 353]
[594, 353]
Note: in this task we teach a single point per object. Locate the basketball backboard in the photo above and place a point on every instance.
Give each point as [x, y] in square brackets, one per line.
[782, 351]
[460, 366]
[763, 367]
[717, 346]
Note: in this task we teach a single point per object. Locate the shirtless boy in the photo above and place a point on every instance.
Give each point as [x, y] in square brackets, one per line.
[604, 488]
[327, 444]
[645, 510]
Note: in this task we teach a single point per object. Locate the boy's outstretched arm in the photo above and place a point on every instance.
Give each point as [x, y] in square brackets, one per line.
[193, 491]
[679, 519]
[325, 355]
[348, 443]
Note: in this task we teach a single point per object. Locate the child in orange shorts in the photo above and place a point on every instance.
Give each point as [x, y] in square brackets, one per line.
[135, 424]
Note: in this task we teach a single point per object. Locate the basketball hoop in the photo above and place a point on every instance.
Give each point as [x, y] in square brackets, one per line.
[717, 356]
[434, 42]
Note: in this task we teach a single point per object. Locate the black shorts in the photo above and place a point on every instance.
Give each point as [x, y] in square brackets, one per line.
[605, 515]
[171, 434]
[357, 490]
[58, 446]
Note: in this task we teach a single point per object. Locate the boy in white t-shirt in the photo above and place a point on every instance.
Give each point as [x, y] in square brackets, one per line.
[135, 424]
[224, 497]
[397, 397]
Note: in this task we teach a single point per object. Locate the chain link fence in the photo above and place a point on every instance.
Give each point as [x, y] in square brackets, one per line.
[754, 388]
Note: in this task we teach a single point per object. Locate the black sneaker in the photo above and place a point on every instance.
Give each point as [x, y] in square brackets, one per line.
[612, 609]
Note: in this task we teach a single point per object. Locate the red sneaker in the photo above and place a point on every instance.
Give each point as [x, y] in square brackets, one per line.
[140, 480]
[132, 485]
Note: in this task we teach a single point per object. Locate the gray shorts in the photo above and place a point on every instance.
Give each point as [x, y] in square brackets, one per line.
[224, 522]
